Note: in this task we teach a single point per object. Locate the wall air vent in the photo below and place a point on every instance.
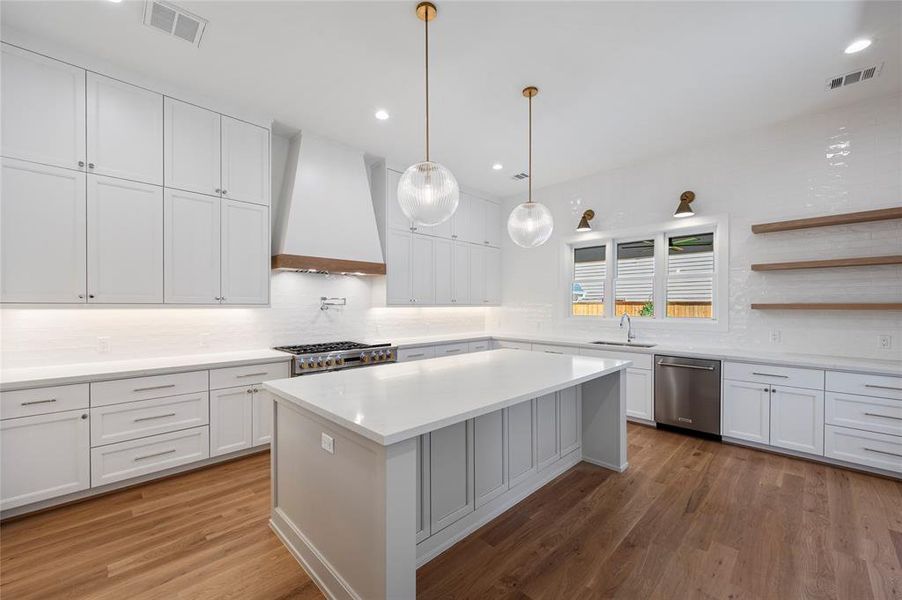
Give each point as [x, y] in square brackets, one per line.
[519, 176]
[854, 77]
[174, 21]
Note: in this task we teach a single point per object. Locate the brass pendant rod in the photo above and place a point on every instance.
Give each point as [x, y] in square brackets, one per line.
[529, 173]
[426, 21]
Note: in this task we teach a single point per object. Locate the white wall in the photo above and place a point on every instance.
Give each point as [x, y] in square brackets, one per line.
[832, 162]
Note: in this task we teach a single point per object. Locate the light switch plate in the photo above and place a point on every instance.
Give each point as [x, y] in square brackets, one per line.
[103, 344]
[328, 443]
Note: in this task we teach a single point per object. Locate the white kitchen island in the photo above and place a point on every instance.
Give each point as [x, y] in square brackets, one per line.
[377, 470]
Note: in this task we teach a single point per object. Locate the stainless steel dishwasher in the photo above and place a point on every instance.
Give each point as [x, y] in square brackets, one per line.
[687, 393]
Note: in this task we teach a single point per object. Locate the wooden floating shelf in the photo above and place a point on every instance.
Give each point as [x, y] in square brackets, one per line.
[865, 261]
[882, 214]
[829, 306]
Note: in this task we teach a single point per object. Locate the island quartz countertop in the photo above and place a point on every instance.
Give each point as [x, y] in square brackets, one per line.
[395, 402]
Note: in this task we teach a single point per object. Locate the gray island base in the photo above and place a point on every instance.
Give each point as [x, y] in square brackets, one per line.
[376, 471]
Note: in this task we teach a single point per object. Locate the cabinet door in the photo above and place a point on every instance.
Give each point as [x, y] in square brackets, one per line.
[477, 276]
[493, 229]
[422, 504]
[460, 274]
[231, 420]
[42, 247]
[397, 265]
[394, 218]
[262, 418]
[492, 276]
[569, 420]
[422, 274]
[245, 161]
[125, 241]
[43, 109]
[477, 218]
[547, 448]
[43, 457]
[125, 130]
[490, 456]
[245, 253]
[639, 394]
[191, 153]
[444, 271]
[191, 248]
[521, 459]
[460, 220]
[746, 411]
[451, 474]
[797, 419]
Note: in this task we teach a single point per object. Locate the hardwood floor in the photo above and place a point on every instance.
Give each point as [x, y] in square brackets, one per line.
[691, 518]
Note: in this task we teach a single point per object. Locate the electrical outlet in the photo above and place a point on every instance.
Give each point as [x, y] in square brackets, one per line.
[103, 344]
[885, 342]
[328, 443]
[776, 336]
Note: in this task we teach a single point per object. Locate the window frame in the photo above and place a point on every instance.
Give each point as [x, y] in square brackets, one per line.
[718, 226]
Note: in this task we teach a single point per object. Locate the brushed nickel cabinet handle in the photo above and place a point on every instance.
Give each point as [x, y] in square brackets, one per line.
[884, 452]
[770, 375]
[31, 402]
[416, 355]
[883, 387]
[870, 414]
[252, 375]
[155, 454]
[154, 387]
[139, 419]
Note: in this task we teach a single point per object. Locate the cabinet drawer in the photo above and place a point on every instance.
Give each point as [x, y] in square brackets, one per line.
[121, 422]
[143, 388]
[236, 376]
[41, 401]
[860, 412]
[408, 354]
[884, 386]
[479, 346]
[791, 376]
[863, 447]
[640, 361]
[451, 349]
[148, 455]
[510, 344]
[550, 349]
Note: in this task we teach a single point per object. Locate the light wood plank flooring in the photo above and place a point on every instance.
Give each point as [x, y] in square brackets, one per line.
[691, 518]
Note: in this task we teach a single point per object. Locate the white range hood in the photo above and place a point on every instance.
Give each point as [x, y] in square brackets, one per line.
[328, 222]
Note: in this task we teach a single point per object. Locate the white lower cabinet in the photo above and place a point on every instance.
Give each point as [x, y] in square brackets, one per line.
[864, 447]
[451, 474]
[420, 353]
[797, 419]
[569, 421]
[490, 454]
[44, 456]
[262, 418]
[521, 456]
[547, 443]
[143, 456]
[130, 420]
[231, 420]
[746, 411]
[451, 349]
[639, 394]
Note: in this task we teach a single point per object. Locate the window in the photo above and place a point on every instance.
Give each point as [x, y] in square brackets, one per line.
[589, 274]
[634, 287]
[690, 276]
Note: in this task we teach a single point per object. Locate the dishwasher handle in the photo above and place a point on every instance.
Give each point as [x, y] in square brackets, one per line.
[661, 363]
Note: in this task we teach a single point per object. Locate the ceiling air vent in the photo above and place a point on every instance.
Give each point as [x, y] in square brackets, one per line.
[519, 176]
[174, 21]
[854, 77]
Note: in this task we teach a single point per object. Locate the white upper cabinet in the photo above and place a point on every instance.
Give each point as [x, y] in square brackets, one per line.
[477, 275]
[191, 249]
[397, 261]
[444, 266]
[245, 161]
[124, 131]
[125, 241]
[394, 217]
[43, 109]
[460, 274]
[476, 228]
[492, 276]
[192, 148]
[42, 243]
[245, 249]
[460, 220]
[422, 273]
[493, 224]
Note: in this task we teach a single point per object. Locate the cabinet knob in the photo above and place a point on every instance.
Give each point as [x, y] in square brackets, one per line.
[256, 390]
[82, 296]
[81, 163]
[90, 165]
[225, 191]
[90, 295]
[222, 298]
[250, 391]
[453, 237]
[84, 416]
[218, 191]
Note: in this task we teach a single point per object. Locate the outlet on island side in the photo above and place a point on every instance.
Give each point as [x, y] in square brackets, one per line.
[776, 336]
[328, 443]
[885, 342]
[103, 344]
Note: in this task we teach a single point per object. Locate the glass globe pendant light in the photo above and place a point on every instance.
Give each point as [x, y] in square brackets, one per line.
[530, 224]
[428, 193]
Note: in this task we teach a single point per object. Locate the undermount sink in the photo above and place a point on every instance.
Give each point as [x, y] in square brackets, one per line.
[626, 344]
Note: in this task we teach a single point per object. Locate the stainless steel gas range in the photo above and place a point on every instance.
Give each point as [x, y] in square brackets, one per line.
[316, 358]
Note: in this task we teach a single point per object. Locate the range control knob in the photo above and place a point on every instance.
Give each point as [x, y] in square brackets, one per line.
[340, 360]
[365, 358]
[329, 362]
[302, 365]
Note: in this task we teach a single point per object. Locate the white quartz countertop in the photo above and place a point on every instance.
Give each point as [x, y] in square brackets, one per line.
[402, 400]
[15, 379]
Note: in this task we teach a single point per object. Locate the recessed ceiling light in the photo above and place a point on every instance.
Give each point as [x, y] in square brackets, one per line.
[382, 115]
[857, 46]
[497, 167]
[116, 1]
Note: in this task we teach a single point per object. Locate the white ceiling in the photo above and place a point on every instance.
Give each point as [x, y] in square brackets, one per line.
[619, 81]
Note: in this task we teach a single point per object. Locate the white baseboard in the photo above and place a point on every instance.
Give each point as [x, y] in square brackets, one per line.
[606, 465]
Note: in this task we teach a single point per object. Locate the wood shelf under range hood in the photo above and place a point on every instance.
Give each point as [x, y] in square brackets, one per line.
[829, 306]
[867, 216]
[864, 261]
